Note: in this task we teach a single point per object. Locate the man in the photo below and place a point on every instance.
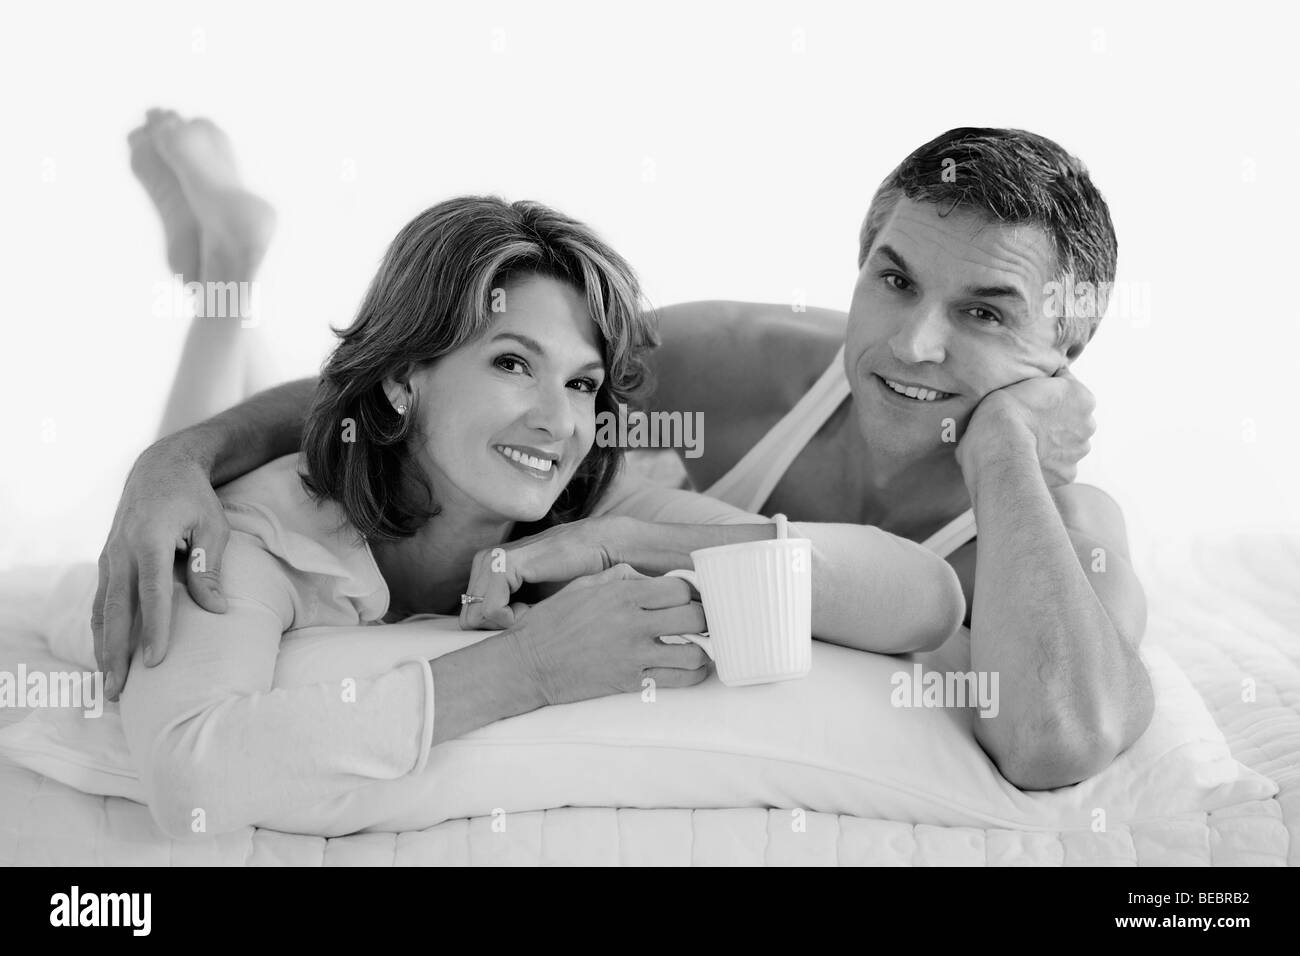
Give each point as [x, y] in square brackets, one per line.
[956, 351]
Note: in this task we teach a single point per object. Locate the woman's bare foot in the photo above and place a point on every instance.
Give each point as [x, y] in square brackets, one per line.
[234, 225]
[180, 228]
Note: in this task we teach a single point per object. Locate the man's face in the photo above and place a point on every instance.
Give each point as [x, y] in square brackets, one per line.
[954, 304]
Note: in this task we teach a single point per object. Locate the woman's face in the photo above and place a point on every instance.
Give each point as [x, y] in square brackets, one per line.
[507, 419]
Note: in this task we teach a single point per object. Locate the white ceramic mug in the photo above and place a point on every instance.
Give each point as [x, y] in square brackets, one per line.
[757, 600]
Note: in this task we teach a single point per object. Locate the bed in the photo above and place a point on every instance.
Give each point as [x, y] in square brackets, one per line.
[1226, 608]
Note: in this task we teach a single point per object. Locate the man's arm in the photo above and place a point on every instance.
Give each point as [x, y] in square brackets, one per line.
[257, 430]
[168, 505]
[1058, 613]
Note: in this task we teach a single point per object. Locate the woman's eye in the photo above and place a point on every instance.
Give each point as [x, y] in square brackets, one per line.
[896, 281]
[586, 385]
[506, 361]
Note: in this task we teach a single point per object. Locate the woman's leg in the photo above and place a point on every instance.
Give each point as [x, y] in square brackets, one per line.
[217, 233]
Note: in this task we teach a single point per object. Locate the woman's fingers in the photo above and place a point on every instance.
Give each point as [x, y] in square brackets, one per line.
[488, 581]
[676, 676]
[688, 656]
[684, 619]
[497, 619]
[619, 572]
[503, 617]
[495, 585]
[655, 593]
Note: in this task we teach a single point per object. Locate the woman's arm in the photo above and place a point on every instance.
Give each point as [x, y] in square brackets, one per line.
[871, 590]
[219, 747]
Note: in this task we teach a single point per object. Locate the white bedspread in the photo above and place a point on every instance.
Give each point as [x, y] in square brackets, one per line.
[1227, 609]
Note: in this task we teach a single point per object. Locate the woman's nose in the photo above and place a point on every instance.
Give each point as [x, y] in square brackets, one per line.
[552, 412]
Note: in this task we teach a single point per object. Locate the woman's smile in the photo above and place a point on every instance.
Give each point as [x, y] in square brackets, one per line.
[536, 464]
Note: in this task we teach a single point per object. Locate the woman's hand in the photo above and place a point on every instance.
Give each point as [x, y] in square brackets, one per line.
[599, 635]
[562, 553]
[167, 505]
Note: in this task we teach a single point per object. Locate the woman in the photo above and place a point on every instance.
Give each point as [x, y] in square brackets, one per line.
[455, 421]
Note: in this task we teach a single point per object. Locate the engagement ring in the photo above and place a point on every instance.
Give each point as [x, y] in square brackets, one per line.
[467, 599]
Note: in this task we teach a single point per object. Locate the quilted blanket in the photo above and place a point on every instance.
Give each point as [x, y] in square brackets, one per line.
[1227, 608]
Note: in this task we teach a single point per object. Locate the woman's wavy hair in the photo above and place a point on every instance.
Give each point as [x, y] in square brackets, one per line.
[433, 294]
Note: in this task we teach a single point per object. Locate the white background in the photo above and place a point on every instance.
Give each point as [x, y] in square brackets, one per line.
[728, 150]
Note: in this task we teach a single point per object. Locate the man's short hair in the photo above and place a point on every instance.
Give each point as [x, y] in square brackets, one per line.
[1012, 176]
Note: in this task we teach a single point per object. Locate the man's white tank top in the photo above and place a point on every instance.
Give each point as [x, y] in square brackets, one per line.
[750, 483]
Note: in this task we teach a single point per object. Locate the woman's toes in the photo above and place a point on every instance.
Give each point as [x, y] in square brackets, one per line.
[138, 137]
[180, 227]
[234, 224]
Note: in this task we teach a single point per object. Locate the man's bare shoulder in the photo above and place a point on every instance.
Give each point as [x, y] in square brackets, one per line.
[759, 356]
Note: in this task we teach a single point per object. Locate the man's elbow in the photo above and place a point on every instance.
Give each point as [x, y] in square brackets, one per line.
[1050, 765]
[1061, 752]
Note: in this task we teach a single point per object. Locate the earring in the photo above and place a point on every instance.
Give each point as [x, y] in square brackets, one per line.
[401, 409]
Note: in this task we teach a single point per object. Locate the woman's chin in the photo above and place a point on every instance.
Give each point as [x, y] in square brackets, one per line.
[522, 516]
[520, 511]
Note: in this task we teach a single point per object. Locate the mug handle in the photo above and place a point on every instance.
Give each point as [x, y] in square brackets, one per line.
[702, 640]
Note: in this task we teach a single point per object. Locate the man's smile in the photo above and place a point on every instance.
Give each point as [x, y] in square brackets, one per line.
[910, 392]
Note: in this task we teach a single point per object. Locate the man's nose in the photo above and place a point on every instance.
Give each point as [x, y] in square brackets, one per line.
[923, 336]
[552, 412]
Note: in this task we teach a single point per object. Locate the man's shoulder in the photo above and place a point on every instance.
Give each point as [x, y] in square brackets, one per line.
[761, 355]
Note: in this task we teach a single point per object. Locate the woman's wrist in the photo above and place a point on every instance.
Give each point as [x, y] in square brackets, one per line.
[481, 684]
[646, 546]
[654, 548]
[616, 536]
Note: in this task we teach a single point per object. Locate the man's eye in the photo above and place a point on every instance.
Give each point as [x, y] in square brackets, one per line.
[984, 315]
[896, 281]
[505, 361]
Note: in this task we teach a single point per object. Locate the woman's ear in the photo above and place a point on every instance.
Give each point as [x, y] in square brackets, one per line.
[398, 388]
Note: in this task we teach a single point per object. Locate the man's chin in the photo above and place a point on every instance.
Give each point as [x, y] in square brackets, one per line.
[895, 442]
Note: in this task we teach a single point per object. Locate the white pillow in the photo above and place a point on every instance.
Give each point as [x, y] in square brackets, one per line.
[832, 742]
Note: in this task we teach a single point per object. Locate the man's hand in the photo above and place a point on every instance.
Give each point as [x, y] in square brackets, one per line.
[1055, 411]
[167, 505]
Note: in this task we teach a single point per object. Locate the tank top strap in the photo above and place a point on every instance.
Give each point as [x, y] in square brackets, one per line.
[751, 480]
[953, 535]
